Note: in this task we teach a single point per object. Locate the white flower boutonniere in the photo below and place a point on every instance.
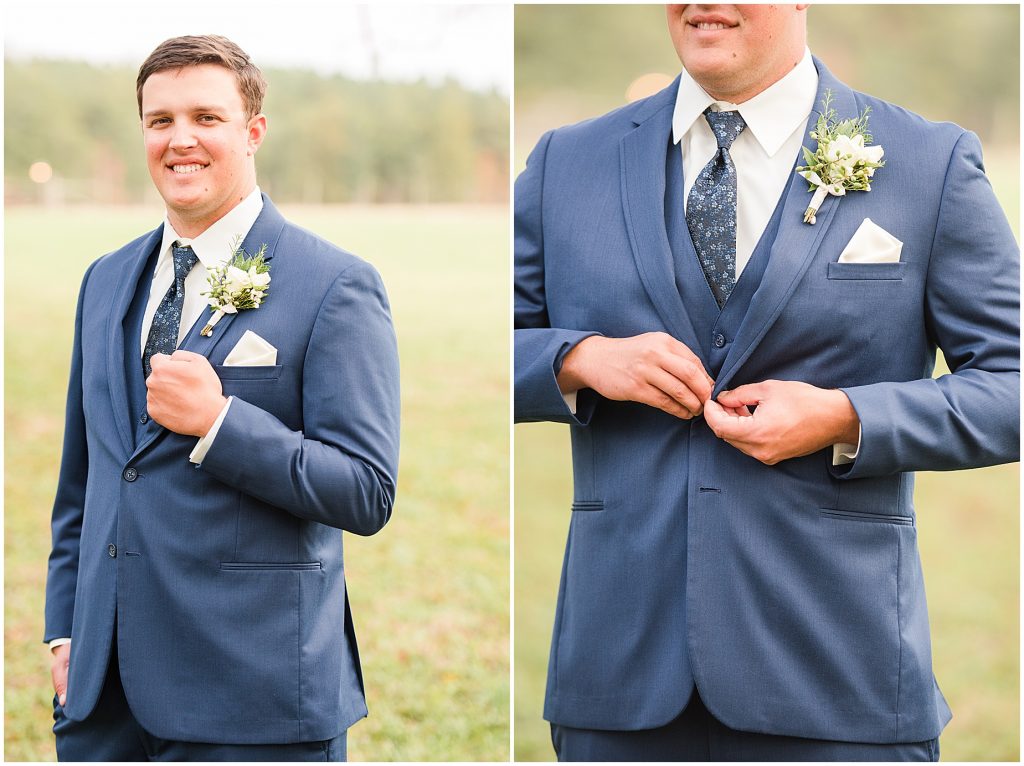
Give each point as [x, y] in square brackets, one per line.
[844, 160]
[241, 283]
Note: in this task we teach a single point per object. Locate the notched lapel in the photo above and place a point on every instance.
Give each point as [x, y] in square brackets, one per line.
[794, 246]
[119, 306]
[642, 162]
[266, 230]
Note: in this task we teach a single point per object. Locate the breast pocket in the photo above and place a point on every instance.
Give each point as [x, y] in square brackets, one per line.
[240, 373]
[271, 388]
[865, 271]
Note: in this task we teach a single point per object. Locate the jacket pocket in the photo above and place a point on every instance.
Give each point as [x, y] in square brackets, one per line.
[863, 271]
[237, 372]
[588, 505]
[876, 518]
[269, 565]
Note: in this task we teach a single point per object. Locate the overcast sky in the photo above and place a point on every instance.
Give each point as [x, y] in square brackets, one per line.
[471, 43]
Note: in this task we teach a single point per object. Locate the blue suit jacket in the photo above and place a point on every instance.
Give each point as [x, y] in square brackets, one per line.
[228, 582]
[805, 606]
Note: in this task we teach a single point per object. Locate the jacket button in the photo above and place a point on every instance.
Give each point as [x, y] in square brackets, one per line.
[719, 340]
[144, 419]
[130, 474]
[112, 550]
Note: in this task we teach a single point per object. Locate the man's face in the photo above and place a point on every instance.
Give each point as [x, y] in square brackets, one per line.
[736, 51]
[199, 143]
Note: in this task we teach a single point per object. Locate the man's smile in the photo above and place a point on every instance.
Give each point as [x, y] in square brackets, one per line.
[186, 168]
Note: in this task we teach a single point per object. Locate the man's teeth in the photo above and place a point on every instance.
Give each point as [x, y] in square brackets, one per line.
[706, 25]
[186, 168]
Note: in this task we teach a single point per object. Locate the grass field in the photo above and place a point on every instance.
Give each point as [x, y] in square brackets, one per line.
[430, 593]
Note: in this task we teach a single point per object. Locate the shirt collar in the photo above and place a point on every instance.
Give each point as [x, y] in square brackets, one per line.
[771, 116]
[214, 246]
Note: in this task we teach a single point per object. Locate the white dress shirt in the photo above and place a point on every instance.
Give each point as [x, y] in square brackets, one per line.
[764, 154]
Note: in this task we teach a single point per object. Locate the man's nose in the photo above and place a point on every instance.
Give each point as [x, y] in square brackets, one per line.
[183, 136]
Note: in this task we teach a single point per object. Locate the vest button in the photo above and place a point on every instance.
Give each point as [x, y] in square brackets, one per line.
[719, 340]
[112, 551]
[130, 474]
[144, 419]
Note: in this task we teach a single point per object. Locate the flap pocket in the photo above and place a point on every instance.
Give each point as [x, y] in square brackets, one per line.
[891, 271]
[877, 518]
[249, 566]
[236, 372]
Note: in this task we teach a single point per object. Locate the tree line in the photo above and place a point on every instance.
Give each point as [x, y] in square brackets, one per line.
[331, 139]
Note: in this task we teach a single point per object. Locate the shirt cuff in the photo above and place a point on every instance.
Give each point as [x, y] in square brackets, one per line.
[200, 450]
[843, 453]
[570, 401]
[59, 642]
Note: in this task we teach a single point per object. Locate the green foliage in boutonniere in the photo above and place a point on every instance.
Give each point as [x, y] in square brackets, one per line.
[844, 159]
[241, 283]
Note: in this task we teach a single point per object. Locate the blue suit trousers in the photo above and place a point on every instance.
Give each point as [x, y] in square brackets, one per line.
[696, 735]
[112, 733]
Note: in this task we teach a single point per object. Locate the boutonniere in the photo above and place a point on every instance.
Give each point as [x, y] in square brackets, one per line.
[241, 283]
[844, 160]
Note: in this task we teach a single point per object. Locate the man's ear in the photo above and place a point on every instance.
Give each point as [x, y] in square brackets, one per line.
[257, 132]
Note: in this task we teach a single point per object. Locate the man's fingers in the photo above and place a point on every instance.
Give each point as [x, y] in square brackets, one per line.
[655, 397]
[691, 373]
[158, 359]
[181, 355]
[677, 389]
[752, 393]
[726, 425]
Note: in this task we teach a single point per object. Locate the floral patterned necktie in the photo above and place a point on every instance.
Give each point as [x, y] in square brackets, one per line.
[163, 334]
[711, 208]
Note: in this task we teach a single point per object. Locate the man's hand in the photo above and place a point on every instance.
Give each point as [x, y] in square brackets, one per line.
[59, 661]
[185, 394]
[792, 419]
[653, 369]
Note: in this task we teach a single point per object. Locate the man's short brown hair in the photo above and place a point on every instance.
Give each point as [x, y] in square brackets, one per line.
[193, 50]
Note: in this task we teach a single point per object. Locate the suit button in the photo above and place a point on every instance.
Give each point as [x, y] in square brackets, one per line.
[144, 419]
[130, 474]
[719, 340]
[112, 550]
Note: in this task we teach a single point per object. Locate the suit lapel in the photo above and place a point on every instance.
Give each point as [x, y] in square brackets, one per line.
[794, 246]
[267, 229]
[642, 162]
[124, 292]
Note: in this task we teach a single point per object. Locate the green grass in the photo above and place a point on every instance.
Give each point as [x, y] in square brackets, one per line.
[968, 530]
[430, 593]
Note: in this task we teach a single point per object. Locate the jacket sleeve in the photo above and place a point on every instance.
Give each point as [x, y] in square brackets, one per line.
[539, 348]
[69, 503]
[341, 469]
[970, 417]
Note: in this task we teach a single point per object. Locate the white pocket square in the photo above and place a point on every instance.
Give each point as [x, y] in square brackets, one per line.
[871, 244]
[251, 351]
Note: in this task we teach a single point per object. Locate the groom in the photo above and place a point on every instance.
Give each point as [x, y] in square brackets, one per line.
[196, 605]
[749, 397]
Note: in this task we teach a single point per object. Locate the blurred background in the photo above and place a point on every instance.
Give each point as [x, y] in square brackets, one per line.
[388, 136]
[947, 62]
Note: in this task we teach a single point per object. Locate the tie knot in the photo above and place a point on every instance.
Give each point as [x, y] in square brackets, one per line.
[725, 125]
[184, 259]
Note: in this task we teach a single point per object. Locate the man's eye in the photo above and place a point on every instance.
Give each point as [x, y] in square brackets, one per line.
[207, 118]
[160, 121]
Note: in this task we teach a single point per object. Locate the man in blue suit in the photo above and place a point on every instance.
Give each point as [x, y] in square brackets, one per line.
[196, 605]
[749, 396]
